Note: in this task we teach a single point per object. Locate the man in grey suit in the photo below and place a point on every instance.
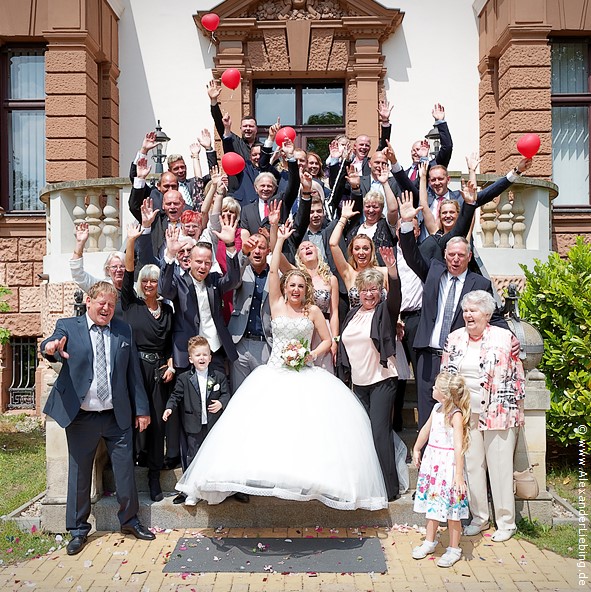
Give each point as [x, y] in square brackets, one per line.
[99, 394]
[250, 323]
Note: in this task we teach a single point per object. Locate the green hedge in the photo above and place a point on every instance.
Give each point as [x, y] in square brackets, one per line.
[557, 300]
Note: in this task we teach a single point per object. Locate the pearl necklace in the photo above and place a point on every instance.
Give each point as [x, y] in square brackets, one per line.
[155, 313]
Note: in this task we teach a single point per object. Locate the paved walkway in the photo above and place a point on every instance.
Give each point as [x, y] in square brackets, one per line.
[112, 562]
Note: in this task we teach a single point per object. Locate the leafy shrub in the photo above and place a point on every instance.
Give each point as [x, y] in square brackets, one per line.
[557, 300]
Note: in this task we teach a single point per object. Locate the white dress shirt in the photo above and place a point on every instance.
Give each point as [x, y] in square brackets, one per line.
[444, 287]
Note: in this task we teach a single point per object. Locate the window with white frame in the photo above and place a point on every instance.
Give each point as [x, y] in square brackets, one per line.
[571, 99]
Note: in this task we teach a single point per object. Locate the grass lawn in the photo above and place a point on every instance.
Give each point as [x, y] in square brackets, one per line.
[22, 477]
[22, 461]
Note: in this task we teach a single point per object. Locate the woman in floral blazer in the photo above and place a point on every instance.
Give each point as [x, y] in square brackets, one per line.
[487, 357]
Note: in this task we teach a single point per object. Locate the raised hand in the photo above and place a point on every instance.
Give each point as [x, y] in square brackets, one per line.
[133, 231]
[227, 121]
[347, 210]
[388, 256]
[287, 148]
[423, 166]
[148, 212]
[227, 233]
[389, 153]
[216, 175]
[205, 139]
[424, 149]
[214, 89]
[143, 168]
[468, 191]
[524, 164]
[438, 112]
[383, 175]
[336, 149]
[173, 244]
[407, 211]
[149, 143]
[306, 180]
[384, 111]
[195, 148]
[353, 177]
[57, 345]
[82, 232]
[274, 212]
[472, 161]
[249, 244]
[285, 231]
[273, 129]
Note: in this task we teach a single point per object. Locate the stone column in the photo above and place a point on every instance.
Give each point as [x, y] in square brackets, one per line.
[72, 110]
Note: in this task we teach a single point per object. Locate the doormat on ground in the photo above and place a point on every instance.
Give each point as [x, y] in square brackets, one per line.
[258, 555]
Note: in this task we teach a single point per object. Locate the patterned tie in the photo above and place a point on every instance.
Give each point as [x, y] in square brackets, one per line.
[413, 174]
[448, 311]
[102, 380]
[186, 193]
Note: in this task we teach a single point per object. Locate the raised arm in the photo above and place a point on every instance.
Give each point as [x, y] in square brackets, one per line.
[345, 270]
[394, 299]
[408, 242]
[446, 145]
[431, 222]
[275, 296]
[214, 90]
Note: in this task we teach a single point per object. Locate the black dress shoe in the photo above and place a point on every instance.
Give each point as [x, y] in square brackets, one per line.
[139, 531]
[394, 497]
[179, 499]
[171, 463]
[243, 498]
[76, 545]
[154, 486]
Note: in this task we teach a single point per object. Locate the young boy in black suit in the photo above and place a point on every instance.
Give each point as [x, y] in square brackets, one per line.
[201, 394]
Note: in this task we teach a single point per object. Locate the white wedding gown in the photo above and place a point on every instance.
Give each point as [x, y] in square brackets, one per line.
[293, 435]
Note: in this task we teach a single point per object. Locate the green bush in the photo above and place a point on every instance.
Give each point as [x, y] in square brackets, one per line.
[557, 300]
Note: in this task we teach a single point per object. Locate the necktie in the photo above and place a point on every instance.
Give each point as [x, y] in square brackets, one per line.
[102, 380]
[186, 194]
[413, 174]
[266, 209]
[448, 311]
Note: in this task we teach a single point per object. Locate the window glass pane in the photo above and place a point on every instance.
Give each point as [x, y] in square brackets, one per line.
[26, 154]
[27, 74]
[570, 154]
[271, 103]
[569, 68]
[322, 106]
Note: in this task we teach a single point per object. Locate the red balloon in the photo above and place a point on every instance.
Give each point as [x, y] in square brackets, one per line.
[285, 132]
[210, 21]
[232, 163]
[231, 78]
[528, 145]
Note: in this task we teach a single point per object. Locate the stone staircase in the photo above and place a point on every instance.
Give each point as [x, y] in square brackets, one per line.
[260, 512]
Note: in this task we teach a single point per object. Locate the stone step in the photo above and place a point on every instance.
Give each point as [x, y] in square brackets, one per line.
[263, 512]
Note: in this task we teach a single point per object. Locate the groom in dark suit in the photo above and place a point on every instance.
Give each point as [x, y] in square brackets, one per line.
[445, 284]
[99, 393]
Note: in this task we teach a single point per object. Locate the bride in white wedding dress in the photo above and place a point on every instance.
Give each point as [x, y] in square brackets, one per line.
[293, 435]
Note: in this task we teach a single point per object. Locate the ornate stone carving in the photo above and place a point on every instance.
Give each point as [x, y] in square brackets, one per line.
[283, 10]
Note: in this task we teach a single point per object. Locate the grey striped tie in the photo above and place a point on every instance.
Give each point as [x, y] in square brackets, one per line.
[102, 380]
[448, 311]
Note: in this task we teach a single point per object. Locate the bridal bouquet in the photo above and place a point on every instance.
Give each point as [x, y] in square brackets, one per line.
[294, 354]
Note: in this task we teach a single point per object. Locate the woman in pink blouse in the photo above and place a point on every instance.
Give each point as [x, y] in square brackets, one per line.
[486, 357]
[366, 358]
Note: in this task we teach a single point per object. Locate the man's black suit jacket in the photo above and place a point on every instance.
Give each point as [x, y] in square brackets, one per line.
[430, 273]
[186, 398]
[181, 291]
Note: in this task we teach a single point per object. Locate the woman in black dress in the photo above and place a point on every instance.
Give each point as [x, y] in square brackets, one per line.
[151, 322]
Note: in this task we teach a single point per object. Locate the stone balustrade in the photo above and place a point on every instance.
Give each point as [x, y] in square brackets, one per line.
[102, 204]
[516, 227]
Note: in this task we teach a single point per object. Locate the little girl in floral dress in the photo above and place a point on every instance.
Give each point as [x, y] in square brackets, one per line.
[441, 487]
